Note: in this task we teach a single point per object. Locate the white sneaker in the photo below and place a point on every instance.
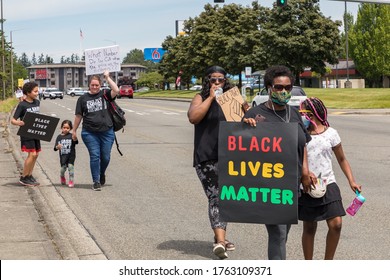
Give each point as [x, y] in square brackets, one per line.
[220, 251]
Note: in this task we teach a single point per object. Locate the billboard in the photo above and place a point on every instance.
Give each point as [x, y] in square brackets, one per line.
[153, 54]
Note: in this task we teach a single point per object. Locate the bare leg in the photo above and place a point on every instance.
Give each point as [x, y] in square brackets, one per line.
[333, 237]
[219, 234]
[309, 232]
[29, 163]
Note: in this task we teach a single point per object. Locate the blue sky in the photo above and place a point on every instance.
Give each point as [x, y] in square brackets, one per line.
[53, 26]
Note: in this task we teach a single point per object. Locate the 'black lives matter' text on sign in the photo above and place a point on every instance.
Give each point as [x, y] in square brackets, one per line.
[38, 126]
[258, 172]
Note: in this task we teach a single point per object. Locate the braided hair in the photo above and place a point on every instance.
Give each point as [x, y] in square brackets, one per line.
[317, 107]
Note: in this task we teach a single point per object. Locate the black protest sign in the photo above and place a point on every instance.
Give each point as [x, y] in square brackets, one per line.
[38, 126]
[258, 172]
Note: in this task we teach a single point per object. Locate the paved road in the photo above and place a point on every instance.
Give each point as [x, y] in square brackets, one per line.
[153, 206]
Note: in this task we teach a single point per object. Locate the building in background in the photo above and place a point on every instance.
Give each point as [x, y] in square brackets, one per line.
[65, 76]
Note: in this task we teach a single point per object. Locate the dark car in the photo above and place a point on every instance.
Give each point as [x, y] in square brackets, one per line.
[126, 90]
[297, 96]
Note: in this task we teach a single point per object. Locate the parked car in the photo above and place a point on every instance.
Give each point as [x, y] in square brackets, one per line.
[52, 93]
[196, 87]
[76, 91]
[126, 90]
[297, 96]
[142, 89]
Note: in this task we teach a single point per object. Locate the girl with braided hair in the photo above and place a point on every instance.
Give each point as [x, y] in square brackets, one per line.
[325, 141]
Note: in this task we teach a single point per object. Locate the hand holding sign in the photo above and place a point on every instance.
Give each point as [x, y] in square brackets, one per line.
[231, 103]
[99, 60]
[38, 126]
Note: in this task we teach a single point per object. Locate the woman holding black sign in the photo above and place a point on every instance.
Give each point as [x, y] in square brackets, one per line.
[279, 81]
[98, 133]
[205, 114]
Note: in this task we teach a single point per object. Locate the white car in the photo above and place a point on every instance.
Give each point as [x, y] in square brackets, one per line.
[196, 87]
[52, 93]
[76, 91]
[297, 96]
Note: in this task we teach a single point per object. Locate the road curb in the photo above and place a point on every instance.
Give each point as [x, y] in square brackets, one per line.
[70, 238]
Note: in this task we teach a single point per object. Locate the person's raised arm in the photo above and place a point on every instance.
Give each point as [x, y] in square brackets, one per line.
[198, 108]
[113, 85]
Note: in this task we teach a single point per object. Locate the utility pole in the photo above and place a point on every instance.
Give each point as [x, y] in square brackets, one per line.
[2, 50]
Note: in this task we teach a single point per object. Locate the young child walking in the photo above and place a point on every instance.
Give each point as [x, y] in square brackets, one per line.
[66, 147]
[325, 141]
[30, 103]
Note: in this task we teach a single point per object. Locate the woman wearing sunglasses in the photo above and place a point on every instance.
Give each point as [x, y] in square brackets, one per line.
[279, 81]
[205, 113]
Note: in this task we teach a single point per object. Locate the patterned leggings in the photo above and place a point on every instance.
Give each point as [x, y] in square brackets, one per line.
[70, 167]
[208, 176]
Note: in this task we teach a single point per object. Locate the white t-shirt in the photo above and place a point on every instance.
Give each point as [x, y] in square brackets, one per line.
[320, 153]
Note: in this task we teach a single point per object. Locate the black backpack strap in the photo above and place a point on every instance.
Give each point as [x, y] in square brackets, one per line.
[117, 145]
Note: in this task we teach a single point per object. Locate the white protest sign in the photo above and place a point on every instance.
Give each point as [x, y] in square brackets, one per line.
[101, 59]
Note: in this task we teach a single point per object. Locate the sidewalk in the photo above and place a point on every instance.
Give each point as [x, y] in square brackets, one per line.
[35, 222]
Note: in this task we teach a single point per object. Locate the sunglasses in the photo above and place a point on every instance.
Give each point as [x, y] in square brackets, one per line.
[281, 87]
[219, 80]
[306, 113]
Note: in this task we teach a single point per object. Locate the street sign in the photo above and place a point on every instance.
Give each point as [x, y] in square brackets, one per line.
[153, 54]
[248, 72]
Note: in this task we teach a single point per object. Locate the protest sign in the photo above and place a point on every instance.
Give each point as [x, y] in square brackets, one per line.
[258, 172]
[101, 59]
[231, 103]
[38, 126]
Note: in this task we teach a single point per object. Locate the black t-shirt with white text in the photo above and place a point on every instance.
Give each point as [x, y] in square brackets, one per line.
[93, 109]
[24, 107]
[68, 150]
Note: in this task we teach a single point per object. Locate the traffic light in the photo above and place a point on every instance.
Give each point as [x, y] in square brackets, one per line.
[219, 1]
[281, 3]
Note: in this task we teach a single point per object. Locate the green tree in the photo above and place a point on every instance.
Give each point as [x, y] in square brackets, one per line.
[34, 59]
[136, 56]
[23, 60]
[370, 43]
[227, 36]
[299, 36]
[151, 79]
[234, 36]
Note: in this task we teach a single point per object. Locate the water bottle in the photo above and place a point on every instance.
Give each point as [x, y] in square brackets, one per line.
[218, 92]
[356, 204]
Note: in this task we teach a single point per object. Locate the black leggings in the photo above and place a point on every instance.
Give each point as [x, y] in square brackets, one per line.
[208, 176]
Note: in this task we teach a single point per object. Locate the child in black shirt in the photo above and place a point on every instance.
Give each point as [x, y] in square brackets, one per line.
[66, 147]
[29, 145]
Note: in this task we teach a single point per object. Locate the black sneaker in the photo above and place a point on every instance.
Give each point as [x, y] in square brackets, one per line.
[32, 179]
[102, 179]
[96, 186]
[26, 181]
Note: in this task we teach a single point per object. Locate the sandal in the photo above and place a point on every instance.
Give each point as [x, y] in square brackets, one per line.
[228, 245]
[219, 250]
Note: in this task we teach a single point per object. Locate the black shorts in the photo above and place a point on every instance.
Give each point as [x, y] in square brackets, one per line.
[30, 145]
